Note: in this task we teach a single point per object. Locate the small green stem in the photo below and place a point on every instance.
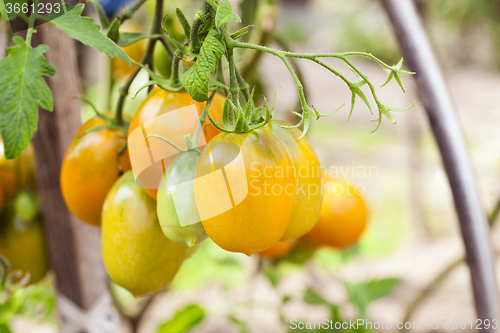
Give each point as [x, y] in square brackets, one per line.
[220, 76]
[167, 141]
[233, 85]
[174, 75]
[202, 118]
[244, 86]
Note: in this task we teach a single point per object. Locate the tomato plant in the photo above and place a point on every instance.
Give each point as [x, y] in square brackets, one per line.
[130, 230]
[246, 181]
[92, 164]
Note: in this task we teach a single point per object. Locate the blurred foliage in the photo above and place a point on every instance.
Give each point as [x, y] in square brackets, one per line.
[36, 303]
[466, 23]
[183, 320]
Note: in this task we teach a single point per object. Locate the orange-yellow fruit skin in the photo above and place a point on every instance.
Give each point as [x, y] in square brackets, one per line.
[343, 217]
[258, 221]
[91, 166]
[309, 178]
[160, 101]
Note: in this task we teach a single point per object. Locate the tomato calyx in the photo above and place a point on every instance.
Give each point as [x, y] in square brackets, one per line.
[237, 120]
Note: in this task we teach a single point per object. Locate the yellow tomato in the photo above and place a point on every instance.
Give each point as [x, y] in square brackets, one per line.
[278, 250]
[23, 244]
[17, 173]
[136, 253]
[343, 217]
[250, 208]
[90, 167]
[309, 177]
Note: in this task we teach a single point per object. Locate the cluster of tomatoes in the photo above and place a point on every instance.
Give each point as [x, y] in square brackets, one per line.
[285, 201]
[22, 240]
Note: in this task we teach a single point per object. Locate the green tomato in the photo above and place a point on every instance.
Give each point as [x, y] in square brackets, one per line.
[176, 219]
[163, 63]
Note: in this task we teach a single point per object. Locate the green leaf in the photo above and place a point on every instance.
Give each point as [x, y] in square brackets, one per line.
[113, 31]
[313, 298]
[197, 78]
[184, 22]
[364, 293]
[22, 91]
[86, 31]
[129, 38]
[225, 14]
[183, 320]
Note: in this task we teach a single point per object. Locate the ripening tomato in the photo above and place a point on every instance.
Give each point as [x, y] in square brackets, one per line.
[17, 173]
[244, 194]
[136, 51]
[159, 102]
[176, 206]
[278, 250]
[309, 177]
[22, 243]
[343, 217]
[136, 253]
[90, 167]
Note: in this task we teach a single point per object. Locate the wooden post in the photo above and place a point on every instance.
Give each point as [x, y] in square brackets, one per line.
[74, 246]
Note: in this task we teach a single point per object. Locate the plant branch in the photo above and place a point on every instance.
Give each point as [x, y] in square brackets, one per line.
[147, 59]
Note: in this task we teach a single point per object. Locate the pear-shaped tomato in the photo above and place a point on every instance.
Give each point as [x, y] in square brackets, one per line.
[136, 253]
[159, 102]
[22, 242]
[177, 210]
[343, 217]
[278, 250]
[307, 171]
[244, 194]
[92, 164]
[18, 173]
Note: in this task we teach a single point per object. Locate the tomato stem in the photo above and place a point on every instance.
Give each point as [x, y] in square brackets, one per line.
[147, 59]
